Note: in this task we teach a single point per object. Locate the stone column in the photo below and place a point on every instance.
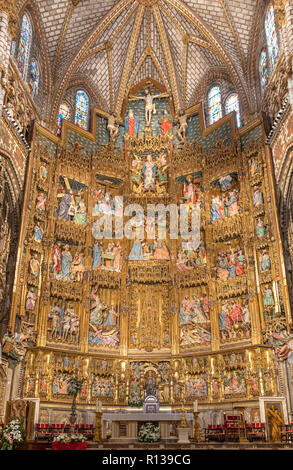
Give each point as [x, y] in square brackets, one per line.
[8, 32]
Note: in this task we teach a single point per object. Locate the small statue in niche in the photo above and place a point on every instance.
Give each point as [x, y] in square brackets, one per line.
[260, 228]
[151, 389]
[265, 261]
[182, 125]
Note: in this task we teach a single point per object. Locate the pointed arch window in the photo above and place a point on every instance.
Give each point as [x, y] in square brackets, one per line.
[81, 109]
[64, 113]
[232, 104]
[214, 104]
[271, 35]
[263, 69]
[24, 45]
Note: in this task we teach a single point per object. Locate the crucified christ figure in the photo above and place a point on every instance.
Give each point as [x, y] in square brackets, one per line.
[148, 103]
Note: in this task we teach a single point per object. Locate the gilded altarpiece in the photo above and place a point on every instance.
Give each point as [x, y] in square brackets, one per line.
[198, 312]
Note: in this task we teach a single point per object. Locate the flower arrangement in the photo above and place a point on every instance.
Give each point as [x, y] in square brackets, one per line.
[149, 432]
[13, 435]
[66, 438]
[134, 399]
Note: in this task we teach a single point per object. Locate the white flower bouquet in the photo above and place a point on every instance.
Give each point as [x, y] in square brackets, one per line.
[13, 435]
[149, 432]
[66, 438]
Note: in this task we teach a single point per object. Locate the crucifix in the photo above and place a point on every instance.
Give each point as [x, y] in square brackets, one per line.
[148, 103]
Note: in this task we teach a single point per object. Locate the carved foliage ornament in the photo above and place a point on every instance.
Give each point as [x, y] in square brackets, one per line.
[9, 7]
[279, 7]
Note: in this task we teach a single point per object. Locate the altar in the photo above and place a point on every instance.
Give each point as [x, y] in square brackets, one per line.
[124, 424]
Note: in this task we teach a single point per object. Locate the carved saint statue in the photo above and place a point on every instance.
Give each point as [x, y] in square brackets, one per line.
[151, 389]
[148, 98]
[113, 126]
[182, 125]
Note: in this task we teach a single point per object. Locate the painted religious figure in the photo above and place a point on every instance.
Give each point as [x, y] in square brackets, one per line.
[194, 320]
[231, 263]
[196, 387]
[149, 174]
[41, 202]
[225, 205]
[55, 317]
[38, 233]
[64, 323]
[15, 344]
[268, 298]
[60, 384]
[234, 320]
[43, 173]
[71, 201]
[97, 256]
[149, 104]
[77, 267]
[64, 210]
[192, 192]
[131, 123]
[103, 327]
[149, 250]
[31, 299]
[265, 261]
[166, 122]
[103, 387]
[108, 258]
[190, 255]
[235, 383]
[149, 171]
[257, 198]
[66, 260]
[56, 259]
[103, 203]
[253, 167]
[260, 228]
[80, 216]
[34, 266]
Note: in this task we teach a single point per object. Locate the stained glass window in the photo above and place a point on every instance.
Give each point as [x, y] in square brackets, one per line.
[263, 69]
[64, 113]
[271, 34]
[232, 104]
[12, 49]
[34, 78]
[81, 109]
[215, 106]
[24, 45]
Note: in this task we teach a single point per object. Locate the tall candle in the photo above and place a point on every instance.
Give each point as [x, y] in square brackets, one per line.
[195, 406]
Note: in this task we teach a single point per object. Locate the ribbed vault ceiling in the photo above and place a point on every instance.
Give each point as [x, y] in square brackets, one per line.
[115, 44]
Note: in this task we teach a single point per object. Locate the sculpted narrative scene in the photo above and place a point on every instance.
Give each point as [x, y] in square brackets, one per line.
[146, 224]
